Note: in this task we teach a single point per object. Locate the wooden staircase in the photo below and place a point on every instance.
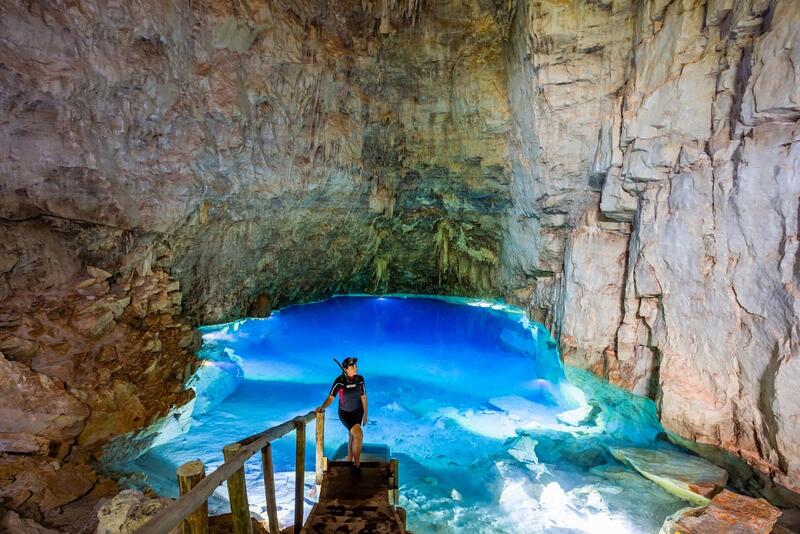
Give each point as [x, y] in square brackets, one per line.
[350, 500]
[362, 500]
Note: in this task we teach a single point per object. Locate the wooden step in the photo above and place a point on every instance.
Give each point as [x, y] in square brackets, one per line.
[353, 501]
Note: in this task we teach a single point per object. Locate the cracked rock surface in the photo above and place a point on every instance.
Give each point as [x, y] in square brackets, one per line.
[692, 299]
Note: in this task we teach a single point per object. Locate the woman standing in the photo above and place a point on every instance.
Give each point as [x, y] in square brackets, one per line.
[352, 406]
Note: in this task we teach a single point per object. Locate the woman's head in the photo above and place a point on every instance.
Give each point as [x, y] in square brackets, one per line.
[350, 366]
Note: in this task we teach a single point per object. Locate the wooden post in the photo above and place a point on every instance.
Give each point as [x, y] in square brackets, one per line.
[189, 475]
[237, 494]
[269, 489]
[299, 473]
[320, 446]
[395, 469]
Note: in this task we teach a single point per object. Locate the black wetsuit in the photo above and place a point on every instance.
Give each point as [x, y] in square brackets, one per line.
[351, 411]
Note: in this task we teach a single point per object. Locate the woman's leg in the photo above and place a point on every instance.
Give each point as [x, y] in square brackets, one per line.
[356, 438]
[349, 446]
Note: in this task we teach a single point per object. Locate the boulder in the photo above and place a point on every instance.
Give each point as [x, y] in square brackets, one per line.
[12, 523]
[36, 405]
[127, 511]
[689, 477]
[38, 484]
[727, 513]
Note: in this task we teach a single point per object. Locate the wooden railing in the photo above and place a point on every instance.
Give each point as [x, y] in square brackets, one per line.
[191, 509]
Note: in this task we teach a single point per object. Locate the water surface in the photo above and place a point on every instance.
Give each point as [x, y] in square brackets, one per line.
[492, 433]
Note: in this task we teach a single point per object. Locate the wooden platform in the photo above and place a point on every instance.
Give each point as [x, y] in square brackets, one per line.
[350, 502]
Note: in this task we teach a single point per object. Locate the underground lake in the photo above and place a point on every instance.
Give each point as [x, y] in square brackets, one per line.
[492, 432]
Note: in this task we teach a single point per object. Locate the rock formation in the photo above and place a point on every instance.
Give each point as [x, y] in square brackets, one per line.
[727, 512]
[169, 164]
[629, 171]
[696, 136]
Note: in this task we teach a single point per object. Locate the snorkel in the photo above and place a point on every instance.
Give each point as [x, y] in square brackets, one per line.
[340, 366]
[348, 362]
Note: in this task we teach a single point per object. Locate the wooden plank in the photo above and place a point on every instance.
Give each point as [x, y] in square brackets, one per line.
[171, 516]
[395, 481]
[320, 447]
[237, 494]
[299, 473]
[189, 475]
[277, 431]
[269, 489]
[355, 502]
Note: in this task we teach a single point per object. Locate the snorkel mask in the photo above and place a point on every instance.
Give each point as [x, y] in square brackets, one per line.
[346, 363]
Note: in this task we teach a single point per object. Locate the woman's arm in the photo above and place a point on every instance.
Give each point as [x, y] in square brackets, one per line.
[325, 404]
[364, 404]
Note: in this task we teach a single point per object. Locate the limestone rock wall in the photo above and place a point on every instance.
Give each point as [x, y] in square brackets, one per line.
[566, 65]
[698, 141]
[166, 164]
[291, 149]
[711, 289]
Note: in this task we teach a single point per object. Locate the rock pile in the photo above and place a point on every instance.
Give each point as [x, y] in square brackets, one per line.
[78, 366]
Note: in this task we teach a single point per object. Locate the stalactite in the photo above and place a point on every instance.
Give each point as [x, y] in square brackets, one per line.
[407, 10]
[381, 271]
[472, 267]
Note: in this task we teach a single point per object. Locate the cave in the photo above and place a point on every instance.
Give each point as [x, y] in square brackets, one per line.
[625, 174]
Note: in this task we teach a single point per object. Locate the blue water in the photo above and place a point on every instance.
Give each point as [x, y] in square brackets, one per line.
[492, 433]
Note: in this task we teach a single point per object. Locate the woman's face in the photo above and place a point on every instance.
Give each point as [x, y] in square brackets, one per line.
[351, 371]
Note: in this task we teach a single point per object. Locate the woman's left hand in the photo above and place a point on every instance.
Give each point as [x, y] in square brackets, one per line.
[364, 421]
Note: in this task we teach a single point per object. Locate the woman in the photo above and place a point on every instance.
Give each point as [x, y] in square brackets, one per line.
[352, 406]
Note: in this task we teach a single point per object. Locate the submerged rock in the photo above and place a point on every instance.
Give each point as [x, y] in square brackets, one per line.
[688, 477]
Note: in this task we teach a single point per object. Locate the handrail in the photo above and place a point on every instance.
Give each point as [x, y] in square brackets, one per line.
[171, 516]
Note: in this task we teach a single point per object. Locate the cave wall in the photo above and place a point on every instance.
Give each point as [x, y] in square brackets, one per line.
[294, 149]
[678, 278]
[168, 164]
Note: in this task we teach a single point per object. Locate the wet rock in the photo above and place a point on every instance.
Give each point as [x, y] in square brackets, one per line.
[727, 512]
[685, 476]
[563, 449]
[585, 415]
[524, 451]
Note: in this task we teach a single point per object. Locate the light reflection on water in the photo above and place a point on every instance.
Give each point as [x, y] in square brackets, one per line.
[472, 399]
